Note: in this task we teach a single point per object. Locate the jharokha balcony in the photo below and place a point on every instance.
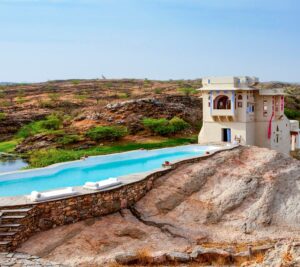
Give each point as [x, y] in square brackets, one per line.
[222, 106]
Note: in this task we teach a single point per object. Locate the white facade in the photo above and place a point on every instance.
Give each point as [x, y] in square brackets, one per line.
[235, 111]
[295, 135]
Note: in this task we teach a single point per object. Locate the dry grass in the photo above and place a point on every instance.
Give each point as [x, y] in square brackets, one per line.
[144, 256]
[237, 247]
[114, 264]
[220, 261]
[287, 257]
[259, 257]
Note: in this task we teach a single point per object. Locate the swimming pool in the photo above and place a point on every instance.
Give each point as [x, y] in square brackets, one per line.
[92, 169]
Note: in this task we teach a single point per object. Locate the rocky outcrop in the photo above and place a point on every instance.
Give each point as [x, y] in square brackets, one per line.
[25, 260]
[230, 208]
[38, 141]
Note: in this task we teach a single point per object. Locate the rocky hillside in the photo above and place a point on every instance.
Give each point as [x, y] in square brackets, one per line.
[91, 102]
[239, 207]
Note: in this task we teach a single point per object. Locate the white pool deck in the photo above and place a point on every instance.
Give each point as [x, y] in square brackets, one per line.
[128, 179]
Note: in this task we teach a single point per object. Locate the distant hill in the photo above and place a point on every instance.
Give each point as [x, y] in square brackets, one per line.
[7, 83]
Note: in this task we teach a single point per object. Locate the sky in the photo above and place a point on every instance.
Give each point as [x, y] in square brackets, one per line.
[44, 40]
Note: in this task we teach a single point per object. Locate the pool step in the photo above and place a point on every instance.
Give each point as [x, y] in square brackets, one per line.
[12, 218]
[9, 227]
[15, 211]
[7, 236]
[5, 246]
[12, 222]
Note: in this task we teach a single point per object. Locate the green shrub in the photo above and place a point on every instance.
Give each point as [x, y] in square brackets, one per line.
[8, 146]
[107, 133]
[20, 93]
[51, 124]
[2, 93]
[68, 139]
[82, 96]
[153, 124]
[291, 113]
[5, 103]
[54, 97]
[2, 116]
[158, 91]
[75, 82]
[178, 124]
[20, 100]
[123, 95]
[164, 127]
[187, 91]
[45, 157]
[109, 84]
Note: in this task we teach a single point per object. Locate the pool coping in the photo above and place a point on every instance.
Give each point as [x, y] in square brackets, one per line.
[12, 201]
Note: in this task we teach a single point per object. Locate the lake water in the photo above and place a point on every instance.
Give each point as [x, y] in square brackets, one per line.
[12, 165]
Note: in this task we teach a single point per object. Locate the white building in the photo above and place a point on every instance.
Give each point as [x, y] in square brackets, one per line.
[236, 111]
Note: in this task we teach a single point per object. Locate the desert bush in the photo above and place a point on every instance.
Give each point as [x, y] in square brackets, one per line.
[107, 133]
[54, 97]
[158, 91]
[45, 157]
[50, 124]
[20, 100]
[164, 127]
[2, 93]
[75, 82]
[178, 124]
[5, 103]
[68, 139]
[153, 124]
[123, 95]
[46, 104]
[187, 91]
[82, 96]
[2, 116]
[109, 84]
[21, 93]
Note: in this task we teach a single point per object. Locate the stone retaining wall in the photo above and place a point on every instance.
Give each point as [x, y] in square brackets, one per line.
[50, 214]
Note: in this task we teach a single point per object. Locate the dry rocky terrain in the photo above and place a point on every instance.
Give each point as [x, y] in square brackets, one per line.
[88, 103]
[238, 207]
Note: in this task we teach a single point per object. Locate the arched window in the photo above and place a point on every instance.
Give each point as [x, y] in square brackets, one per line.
[222, 102]
[240, 97]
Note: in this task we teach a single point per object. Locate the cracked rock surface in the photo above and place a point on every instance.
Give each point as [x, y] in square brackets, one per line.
[247, 195]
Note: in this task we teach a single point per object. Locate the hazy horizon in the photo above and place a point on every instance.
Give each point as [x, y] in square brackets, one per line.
[45, 40]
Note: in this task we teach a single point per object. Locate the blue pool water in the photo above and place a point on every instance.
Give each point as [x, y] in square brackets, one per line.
[97, 168]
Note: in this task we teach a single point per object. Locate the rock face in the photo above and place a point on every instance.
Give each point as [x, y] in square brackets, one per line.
[218, 210]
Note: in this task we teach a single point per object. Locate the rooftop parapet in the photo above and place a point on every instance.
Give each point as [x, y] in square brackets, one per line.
[229, 83]
[273, 91]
